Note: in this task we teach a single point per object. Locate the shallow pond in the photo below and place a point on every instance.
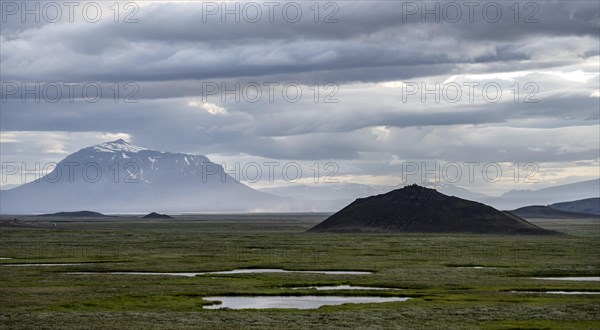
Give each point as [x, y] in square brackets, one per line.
[297, 302]
[37, 265]
[344, 287]
[582, 279]
[235, 271]
[138, 273]
[267, 270]
[559, 292]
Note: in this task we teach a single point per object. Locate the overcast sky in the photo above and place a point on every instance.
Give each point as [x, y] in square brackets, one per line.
[371, 60]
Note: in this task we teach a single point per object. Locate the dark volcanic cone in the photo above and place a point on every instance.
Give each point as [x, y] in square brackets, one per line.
[418, 209]
[155, 215]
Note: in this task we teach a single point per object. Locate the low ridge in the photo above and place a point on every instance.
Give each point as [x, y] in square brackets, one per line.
[588, 205]
[76, 214]
[418, 209]
[546, 212]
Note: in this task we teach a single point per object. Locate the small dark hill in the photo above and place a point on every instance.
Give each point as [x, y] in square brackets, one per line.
[415, 209]
[545, 212]
[77, 214]
[588, 205]
[155, 215]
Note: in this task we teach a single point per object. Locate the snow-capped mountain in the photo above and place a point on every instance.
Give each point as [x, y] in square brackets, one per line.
[119, 177]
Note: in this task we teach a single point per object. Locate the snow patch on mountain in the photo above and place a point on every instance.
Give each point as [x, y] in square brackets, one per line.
[116, 146]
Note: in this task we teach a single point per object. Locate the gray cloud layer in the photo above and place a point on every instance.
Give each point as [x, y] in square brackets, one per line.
[171, 51]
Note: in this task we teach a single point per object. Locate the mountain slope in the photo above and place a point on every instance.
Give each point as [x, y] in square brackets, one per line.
[418, 209]
[117, 177]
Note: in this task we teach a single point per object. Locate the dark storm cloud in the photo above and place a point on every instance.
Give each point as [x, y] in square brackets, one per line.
[304, 130]
[174, 42]
[360, 19]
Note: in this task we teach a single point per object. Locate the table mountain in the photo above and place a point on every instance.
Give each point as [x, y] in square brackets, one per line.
[118, 177]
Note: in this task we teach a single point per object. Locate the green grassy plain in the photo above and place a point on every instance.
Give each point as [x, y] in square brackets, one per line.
[433, 269]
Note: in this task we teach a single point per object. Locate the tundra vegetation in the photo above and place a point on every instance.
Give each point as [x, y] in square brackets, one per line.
[454, 280]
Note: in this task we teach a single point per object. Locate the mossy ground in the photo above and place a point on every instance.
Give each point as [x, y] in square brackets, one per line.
[432, 269]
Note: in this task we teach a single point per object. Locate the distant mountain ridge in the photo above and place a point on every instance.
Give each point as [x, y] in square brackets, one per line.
[118, 177]
[324, 196]
[545, 196]
[588, 205]
[333, 196]
[135, 179]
